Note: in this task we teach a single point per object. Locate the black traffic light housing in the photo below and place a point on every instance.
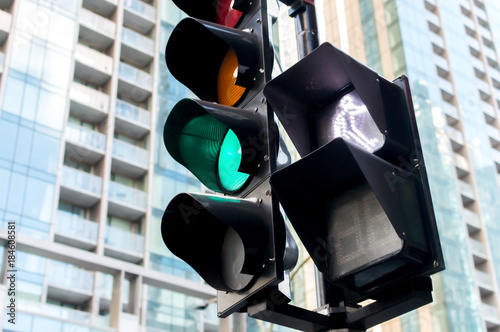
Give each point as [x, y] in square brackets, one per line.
[236, 242]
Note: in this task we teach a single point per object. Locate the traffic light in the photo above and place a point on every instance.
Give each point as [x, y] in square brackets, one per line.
[234, 238]
[359, 198]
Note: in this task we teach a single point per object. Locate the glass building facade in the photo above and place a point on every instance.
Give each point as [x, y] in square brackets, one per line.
[448, 51]
[84, 175]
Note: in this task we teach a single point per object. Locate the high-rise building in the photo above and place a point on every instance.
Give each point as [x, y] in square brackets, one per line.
[84, 176]
[447, 48]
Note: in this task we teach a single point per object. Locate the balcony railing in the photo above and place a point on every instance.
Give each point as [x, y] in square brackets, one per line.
[141, 8]
[123, 240]
[446, 87]
[471, 218]
[97, 22]
[477, 247]
[87, 137]
[483, 86]
[68, 314]
[65, 275]
[484, 278]
[93, 58]
[133, 113]
[136, 76]
[87, 103]
[473, 44]
[71, 225]
[81, 180]
[461, 162]
[138, 41]
[466, 190]
[127, 195]
[451, 111]
[438, 41]
[130, 152]
[455, 135]
[489, 312]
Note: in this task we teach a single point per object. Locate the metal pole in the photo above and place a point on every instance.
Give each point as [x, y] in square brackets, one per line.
[306, 26]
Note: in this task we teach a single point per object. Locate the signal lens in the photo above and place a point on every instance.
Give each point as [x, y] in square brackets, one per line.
[228, 93]
[229, 162]
[226, 15]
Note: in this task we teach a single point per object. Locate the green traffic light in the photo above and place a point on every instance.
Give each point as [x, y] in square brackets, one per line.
[229, 162]
[209, 149]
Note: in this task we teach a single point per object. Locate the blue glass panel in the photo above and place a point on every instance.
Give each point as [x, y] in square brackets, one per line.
[8, 133]
[38, 201]
[45, 154]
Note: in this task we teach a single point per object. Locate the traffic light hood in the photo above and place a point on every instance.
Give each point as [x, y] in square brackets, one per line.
[350, 219]
[223, 239]
[210, 10]
[309, 97]
[195, 52]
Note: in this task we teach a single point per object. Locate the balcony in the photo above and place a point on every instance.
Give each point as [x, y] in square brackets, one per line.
[493, 134]
[126, 202]
[484, 89]
[484, 282]
[473, 45]
[490, 53]
[489, 111]
[484, 32]
[84, 144]
[490, 315]
[466, 6]
[437, 42]
[136, 48]
[66, 314]
[478, 65]
[139, 15]
[461, 165]
[456, 138]
[134, 83]
[92, 66]
[478, 251]
[74, 231]
[95, 30]
[129, 159]
[480, 14]
[80, 188]
[446, 89]
[466, 191]
[5, 23]
[496, 158]
[68, 283]
[131, 119]
[442, 65]
[472, 220]
[494, 74]
[451, 113]
[433, 20]
[124, 245]
[470, 27]
[102, 7]
[88, 104]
